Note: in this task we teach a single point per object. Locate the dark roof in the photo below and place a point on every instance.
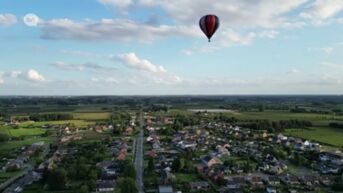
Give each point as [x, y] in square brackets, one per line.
[104, 184]
[207, 158]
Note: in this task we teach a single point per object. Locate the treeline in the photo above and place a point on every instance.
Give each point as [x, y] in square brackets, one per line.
[51, 117]
[336, 125]
[276, 125]
[157, 108]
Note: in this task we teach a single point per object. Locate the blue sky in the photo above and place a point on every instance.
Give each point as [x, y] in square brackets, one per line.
[155, 47]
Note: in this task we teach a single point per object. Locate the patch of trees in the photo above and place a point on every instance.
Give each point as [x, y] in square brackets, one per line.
[277, 125]
[51, 117]
[119, 122]
[4, 137]
[157, 108]
[186, 120]
[336, 125]
[226, 119]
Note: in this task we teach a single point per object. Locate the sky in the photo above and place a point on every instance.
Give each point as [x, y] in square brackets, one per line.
[155, 47]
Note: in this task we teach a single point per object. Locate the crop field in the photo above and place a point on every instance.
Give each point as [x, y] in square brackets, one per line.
[92, 116]
[327, 135]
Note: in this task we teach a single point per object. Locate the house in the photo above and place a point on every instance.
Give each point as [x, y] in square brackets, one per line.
[168, 120]
[128, 131]
[210, 161]
[335, 158]
[105, 186]
[290, 180]
[272, 181]
[14, 165]
[255, 181]
[326, 180]
[270, 190]
[201, 185]
[309, 180]
[165, 189]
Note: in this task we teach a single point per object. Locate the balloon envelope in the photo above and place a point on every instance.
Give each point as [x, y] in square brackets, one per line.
[209, 25]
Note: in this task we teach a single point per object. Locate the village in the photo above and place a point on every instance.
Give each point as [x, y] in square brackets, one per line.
[221, 157]
[213, 156]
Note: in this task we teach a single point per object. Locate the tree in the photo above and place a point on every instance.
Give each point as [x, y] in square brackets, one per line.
[4, 137]
[83, 189]
[57, 179]
[178, 164]
[127, 185]
[129, 170]
[151, 165]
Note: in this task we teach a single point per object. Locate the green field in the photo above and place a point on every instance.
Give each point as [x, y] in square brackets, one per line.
[92, 116]
[77, 123]
[327, 135]
[20, 132]
[4, 146]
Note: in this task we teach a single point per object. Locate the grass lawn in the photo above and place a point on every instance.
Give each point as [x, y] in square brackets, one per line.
[17, 144]
[92, 116]
[186, 178]
[77, 123]
[23, 131]
[284, 115]
[326, 135]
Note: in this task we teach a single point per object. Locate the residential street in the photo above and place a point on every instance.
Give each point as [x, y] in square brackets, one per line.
[139, 155]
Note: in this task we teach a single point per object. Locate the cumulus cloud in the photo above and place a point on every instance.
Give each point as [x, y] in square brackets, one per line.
[156, 74]
[29, 75]
[321, 10]
[7, 19]
[116, 3]
[132, 61]
[82, 67]
[31, 20]
[35, 76]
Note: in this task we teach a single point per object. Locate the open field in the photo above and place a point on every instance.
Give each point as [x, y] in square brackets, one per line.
[20, 132]
[92, 116]
[77, 123]
[330, 136]
[4, 146]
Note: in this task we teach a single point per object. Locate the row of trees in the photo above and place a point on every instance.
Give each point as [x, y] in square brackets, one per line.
[277, 125]
[51, 117]
[336, 125]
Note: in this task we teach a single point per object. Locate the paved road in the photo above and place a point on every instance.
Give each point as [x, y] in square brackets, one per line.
[139, 155]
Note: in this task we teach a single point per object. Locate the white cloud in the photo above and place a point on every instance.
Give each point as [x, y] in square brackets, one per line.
[7, 19]
[1, 78]
[30, 75]
[33, 75]
[293, 71]
[321, 10]
[325, 50]
[31, 20]
[111, 29]
[93, 67]
[132, 61]
[116, 3]
[243, 13]
[332, 65]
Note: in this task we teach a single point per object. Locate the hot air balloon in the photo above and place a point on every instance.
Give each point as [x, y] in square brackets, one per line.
[209, 25]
